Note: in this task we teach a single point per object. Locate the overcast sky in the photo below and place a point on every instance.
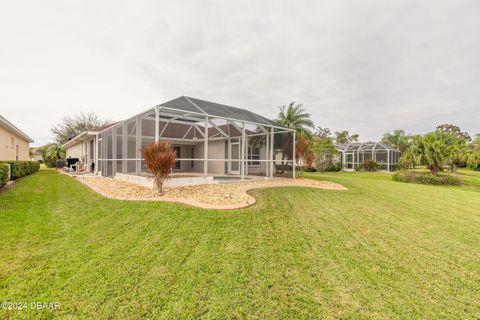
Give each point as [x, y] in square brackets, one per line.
[365, 66]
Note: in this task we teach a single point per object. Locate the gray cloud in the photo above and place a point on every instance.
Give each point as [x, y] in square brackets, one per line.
[367, 66]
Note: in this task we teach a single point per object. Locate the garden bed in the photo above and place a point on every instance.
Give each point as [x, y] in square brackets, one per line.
[211, 196]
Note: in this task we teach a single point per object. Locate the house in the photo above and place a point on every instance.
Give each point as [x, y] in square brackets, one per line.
[82, 147]
[35, 154]
[14, 143]
[355, 154]
[213, 142]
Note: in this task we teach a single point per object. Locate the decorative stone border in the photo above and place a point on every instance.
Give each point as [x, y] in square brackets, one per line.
[219, 196]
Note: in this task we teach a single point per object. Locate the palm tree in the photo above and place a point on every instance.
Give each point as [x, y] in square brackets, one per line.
[412, 155]
[295, 117]
[435, 149]
[397, 139]
[55, 151]
[474, 153]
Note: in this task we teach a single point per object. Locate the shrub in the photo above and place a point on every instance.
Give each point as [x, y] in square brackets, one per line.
[310, 169]
[20, 169]
[4, 168]
[369, 165]
[160, 159]
[426, 178]
[303, 154]
[304, 168]
[334, 167]
[396, 176]
[35, 166]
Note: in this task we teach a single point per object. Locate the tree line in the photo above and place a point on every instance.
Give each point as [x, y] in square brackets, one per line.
[316, 146]
[446, 146]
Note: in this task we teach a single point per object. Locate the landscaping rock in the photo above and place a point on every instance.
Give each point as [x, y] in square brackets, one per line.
[212, 196]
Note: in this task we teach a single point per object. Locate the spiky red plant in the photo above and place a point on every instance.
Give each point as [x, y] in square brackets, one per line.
[303, 152]
[160, 159]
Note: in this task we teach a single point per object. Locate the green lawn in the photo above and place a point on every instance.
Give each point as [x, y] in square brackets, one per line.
[380, 250]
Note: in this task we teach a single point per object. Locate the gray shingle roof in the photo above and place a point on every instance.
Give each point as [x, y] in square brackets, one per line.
[364, 146]
[215, 109]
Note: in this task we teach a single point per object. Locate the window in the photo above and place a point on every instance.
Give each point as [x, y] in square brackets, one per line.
[253, 154]
[12, 142]
[16, 153]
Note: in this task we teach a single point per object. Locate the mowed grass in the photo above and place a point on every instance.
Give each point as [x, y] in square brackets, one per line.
[380, 250]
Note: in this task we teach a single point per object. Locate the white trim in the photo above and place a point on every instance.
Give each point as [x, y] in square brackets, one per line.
[205, 149]
[9, 126]
[157, 124]
[77, 138]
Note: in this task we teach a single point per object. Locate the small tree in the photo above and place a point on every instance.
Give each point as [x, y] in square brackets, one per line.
[51, 153]
[325, 152]
[303, 154]
[69, 127]
[160, 159]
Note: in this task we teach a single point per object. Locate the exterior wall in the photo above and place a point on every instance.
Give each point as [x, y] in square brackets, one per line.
[216, 150]
[36, 157]
[261, 169]
[83, 151]
[170, 183]
[9, 151]
[185, 151]
[75, 151]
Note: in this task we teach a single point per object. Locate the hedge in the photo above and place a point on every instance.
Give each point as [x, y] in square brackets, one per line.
[20, 169]
[4, 168]
[427, 178]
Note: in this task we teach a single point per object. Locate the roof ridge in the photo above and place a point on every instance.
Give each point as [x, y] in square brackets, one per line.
[194, 104]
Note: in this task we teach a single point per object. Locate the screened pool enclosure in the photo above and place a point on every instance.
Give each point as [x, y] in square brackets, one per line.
[210, 140]
[355, 154]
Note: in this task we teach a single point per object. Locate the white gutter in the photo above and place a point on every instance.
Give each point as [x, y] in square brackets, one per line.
[78, 137]
[14, 129]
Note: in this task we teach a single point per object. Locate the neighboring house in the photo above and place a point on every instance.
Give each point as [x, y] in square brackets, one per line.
[14, 143]
[356, 153]
[211, 140]
[83, 147]
[35, 154]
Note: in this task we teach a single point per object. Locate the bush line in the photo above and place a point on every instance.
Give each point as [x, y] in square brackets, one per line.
[427, 178]
[17, 170]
